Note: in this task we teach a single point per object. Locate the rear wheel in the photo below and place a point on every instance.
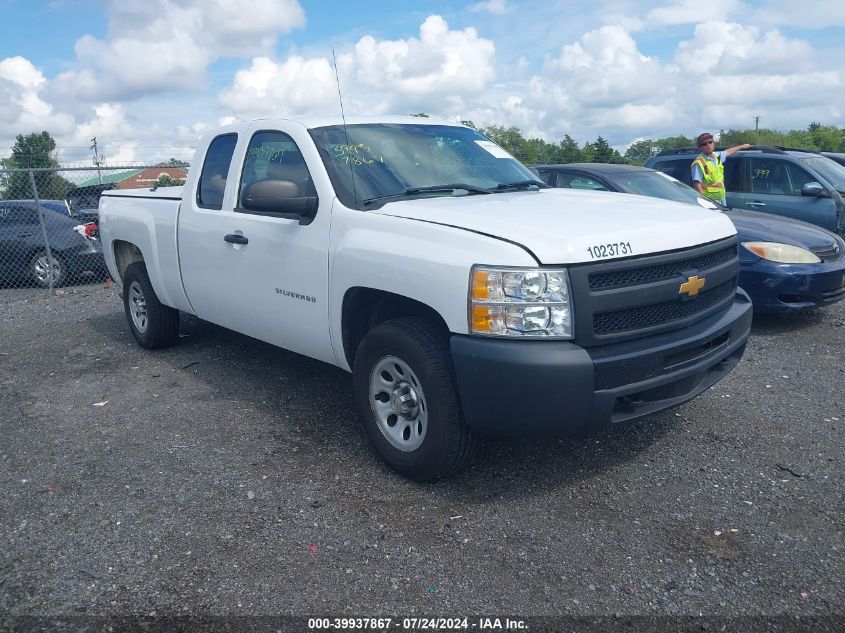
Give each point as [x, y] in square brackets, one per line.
[152, 324]
[405, 393]
[42, 267]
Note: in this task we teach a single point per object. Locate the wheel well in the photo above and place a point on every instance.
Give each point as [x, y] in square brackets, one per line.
[364, 308]
[125, 253]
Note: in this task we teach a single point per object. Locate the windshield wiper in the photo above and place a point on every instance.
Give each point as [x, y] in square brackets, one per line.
[412, 191]
[520, 184]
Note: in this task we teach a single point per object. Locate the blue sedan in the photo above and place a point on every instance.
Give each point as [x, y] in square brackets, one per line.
[785, 265]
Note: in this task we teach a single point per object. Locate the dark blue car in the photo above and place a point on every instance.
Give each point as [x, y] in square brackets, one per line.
[24, 258]
[785, 264]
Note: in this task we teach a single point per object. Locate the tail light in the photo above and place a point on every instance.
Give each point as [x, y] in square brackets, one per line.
[89, 230]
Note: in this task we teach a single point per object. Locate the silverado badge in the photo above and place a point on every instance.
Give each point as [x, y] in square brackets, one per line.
[692, 285]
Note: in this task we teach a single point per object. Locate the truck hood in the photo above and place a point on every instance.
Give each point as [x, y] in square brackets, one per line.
[558, 226]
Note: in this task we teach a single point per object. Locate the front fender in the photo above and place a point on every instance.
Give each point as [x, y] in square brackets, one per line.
[426, 262]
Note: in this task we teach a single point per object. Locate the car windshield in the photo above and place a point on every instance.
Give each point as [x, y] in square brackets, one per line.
[374, 163]
[829, 169]
[657, 185]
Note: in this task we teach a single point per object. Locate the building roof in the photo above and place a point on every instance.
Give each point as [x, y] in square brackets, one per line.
[109, 177]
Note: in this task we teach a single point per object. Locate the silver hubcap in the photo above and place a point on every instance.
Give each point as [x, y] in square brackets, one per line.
[398, 403]
[138, 307]
[43, 269]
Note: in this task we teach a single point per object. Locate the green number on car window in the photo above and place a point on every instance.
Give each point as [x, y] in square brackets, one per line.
[359, 154]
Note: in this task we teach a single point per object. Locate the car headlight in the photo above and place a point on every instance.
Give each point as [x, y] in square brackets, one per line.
[781, 253]
[520, 302]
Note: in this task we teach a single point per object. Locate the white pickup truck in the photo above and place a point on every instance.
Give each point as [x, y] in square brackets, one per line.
[465, 297]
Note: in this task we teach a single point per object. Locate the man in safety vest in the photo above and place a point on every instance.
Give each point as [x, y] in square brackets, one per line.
[708, 170]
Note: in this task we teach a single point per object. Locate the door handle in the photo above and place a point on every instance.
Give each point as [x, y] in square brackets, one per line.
[235, 238]
[756, 204]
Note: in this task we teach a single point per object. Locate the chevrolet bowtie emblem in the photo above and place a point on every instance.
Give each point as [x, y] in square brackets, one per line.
[692, 285]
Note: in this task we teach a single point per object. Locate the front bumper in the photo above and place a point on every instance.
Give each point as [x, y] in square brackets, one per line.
[777, 287]
[556, 388]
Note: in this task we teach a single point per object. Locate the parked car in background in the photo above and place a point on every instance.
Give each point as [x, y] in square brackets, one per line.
[793, 183]
[839, 157]
[784, 264]
[23, 253]
[82, 202]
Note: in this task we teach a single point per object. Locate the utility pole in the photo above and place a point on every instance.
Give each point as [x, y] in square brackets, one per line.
[756, 128]
[97, 160]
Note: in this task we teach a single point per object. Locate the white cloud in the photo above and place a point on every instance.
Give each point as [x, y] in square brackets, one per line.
[690, 12]
[496, 7]
[293, 86]
[436, 72]
[817, 14]
[728, 48]
[22, 108]
[441, 61]
[161, 45]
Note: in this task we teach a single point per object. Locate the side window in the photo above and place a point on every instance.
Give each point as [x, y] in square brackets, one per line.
[579, 181]
[215, 169]
[16, 216]
[678, 169]
[770, 176]
[547, 177]
[275, 156]
[798, 177]
[733, 175]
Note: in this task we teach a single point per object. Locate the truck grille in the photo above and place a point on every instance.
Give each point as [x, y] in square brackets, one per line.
[619, 278]
[630, 298]
[660, 313]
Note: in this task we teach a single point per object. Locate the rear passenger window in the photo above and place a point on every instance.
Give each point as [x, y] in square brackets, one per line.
[733, 177]
[215, 170]
[16, 216]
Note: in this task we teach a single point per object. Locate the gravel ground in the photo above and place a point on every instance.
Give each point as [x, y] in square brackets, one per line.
[225, 476]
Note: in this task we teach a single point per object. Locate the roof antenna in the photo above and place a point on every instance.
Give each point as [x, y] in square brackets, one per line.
[345, 131]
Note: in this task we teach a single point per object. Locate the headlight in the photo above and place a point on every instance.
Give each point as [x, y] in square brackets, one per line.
[520, 302]
[781, 253]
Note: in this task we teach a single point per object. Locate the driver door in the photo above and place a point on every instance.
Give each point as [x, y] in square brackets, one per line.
[274, 271]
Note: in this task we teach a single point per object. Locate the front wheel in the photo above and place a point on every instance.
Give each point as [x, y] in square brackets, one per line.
[405, 393]
[152, 324]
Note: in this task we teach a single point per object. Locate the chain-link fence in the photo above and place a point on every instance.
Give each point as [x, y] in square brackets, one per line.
[49, 234]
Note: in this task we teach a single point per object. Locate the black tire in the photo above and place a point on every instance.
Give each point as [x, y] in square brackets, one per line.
[413, 344]
[152, 324]
[39, 274]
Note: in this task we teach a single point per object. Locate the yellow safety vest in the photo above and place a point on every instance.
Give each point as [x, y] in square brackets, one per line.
[714, 177]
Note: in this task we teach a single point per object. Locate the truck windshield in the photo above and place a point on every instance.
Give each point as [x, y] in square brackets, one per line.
[382, 162]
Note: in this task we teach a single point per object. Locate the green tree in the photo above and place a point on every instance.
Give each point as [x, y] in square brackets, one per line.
[567, 151]
[36, 151]
[175, 162]
[639, 152]
[422, 115]
[510, 139]
[167, 181]
[600, 151]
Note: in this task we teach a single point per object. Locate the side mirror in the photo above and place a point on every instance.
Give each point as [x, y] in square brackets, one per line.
[279, 199]
[814, 189]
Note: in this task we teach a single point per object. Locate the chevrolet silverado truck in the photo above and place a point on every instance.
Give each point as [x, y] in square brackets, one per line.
[465, 297]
